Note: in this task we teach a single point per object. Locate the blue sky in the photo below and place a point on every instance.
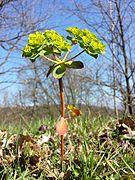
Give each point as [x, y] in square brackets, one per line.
[59, 20]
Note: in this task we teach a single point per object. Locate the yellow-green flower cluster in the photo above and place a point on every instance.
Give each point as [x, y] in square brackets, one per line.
[57, 42]
[36, 39]
[49, 42]
[27, 49]
[87, 40]
[30, 52]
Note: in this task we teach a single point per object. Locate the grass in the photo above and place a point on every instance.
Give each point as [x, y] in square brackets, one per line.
[92, 152]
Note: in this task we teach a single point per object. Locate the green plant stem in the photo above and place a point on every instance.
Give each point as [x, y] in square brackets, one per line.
[65, 56]
[50, 59]
[62, 115]
[56, 58]
[76, 55]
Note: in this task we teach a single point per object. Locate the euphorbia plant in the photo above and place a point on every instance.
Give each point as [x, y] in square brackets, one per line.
[55, 48]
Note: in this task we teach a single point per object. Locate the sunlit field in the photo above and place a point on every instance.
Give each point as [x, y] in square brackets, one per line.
[95, 149]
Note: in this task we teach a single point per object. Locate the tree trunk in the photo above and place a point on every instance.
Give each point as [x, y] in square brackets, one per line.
[128, 89]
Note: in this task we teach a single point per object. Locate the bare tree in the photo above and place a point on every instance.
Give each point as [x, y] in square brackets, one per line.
[114, 22]
[19, 18]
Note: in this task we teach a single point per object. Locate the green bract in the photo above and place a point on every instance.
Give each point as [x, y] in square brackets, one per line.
[52, 43]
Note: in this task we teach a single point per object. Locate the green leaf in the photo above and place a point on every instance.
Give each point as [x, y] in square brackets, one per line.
[69, 38]
[59, 71]
[73, 40]
[51, 68]
[75, 65]
[34, 57]
[42, 52]
[93, 55]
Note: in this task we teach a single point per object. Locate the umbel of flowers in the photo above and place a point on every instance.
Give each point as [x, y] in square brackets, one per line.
[53, 47]
[51, 42]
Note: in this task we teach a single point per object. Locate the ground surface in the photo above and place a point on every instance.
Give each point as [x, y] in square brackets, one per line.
[95, 148]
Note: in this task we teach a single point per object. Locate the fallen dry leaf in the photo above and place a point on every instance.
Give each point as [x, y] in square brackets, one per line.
[128, 121]
[24, 138]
